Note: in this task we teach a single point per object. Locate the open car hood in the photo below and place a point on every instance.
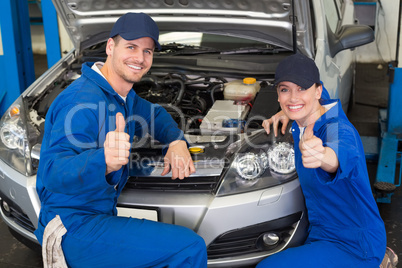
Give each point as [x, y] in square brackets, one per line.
[89, 22]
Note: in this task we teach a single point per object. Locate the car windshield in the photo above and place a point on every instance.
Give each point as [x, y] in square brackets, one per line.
[198, 43]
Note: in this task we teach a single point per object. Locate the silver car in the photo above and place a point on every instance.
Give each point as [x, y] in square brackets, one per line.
[214, 75]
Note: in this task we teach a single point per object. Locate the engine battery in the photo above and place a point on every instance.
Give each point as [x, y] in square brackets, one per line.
[233, 123]
[222, 117]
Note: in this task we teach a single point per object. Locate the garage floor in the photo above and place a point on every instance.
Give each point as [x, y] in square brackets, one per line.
[371, 95]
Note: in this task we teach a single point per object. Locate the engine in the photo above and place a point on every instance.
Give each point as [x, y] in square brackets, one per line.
[200, 104]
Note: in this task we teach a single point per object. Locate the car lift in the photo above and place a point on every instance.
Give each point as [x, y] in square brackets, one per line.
[391, 134]
[16, 56]
[391, 140]
[16, 59]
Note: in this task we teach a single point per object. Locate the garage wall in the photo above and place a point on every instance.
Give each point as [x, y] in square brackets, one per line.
[38, 39]
[382, 50]
[38, 36]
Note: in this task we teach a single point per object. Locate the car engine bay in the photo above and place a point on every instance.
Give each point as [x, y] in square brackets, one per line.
[199, 103]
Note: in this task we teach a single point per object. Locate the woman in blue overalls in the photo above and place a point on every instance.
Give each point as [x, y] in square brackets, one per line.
[346, 229]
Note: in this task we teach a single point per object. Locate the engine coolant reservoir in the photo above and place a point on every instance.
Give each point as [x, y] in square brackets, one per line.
[241, 90]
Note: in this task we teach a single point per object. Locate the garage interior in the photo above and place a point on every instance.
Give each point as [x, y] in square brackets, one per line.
[371, 96]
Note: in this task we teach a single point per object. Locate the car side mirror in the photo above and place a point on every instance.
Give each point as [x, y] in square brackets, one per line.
[349, 36]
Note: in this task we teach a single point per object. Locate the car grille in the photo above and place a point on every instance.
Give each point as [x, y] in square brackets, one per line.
[194, 184]
[249, 239]
[16, 214]
[22, 220]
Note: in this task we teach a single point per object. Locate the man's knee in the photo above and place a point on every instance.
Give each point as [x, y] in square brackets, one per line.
[194, 240]
[200, 243]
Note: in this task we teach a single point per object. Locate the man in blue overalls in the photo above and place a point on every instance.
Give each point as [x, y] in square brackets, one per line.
[84, 156]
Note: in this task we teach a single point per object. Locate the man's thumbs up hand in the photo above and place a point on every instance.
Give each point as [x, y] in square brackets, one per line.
[120, 123]
[117, 146]
[311, 148]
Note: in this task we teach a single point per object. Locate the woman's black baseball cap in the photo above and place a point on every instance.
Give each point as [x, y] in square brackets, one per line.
[298, 69]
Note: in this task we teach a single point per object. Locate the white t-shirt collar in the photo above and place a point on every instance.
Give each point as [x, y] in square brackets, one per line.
[96, 67]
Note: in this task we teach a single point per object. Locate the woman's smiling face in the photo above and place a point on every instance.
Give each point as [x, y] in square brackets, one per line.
[299, 103]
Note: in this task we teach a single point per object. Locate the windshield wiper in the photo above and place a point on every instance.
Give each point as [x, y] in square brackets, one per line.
[251, 50]
[183, 49]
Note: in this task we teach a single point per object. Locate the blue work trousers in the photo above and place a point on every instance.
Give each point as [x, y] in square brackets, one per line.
[111, 241]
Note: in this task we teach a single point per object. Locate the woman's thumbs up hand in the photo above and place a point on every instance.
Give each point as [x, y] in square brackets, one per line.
[314, 154]
[311, 148]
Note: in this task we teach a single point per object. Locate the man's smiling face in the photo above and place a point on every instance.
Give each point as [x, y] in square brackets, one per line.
[130, 59]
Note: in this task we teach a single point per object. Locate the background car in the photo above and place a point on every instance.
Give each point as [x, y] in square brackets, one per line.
[214, 75]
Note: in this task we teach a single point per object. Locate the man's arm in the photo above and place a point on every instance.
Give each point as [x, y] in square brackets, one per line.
[178, 160]
[72, 161]
[164, 129]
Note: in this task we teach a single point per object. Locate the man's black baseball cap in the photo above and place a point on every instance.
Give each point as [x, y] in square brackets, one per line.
[132, 26]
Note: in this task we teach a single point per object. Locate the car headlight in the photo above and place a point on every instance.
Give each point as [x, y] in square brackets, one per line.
[14, 141]
[13, 137]
[250, 165]
[259, 162]
[281, 158]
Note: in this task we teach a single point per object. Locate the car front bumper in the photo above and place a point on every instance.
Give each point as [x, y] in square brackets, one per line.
[232, 226]
[19, 194]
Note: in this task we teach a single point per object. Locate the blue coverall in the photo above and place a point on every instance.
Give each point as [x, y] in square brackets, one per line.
[345, 229]
[71, 181]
